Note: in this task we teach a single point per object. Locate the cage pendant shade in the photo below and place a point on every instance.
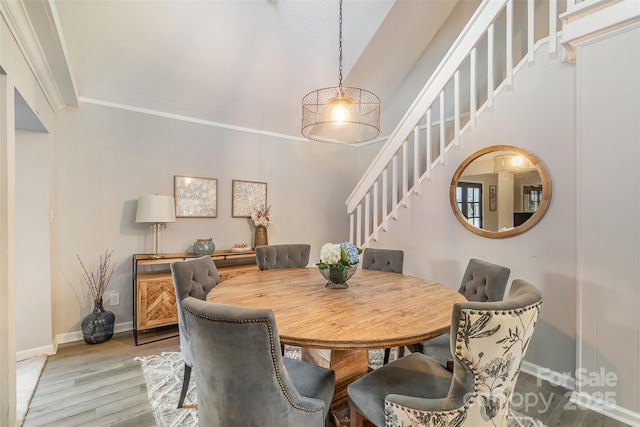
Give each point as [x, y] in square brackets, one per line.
[341, 115]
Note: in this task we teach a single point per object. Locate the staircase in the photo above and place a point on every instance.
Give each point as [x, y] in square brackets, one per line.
[477, 67]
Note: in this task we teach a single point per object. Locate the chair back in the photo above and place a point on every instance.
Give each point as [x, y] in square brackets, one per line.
[390, 260]
[270, 257]
[484, 281]
[191, 278]
[489, 341]
[240, 376]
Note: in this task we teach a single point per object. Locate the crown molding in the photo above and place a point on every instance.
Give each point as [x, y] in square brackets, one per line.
[188, 119]
[22, 28]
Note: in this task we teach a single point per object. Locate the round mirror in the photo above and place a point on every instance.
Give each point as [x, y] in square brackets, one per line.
[500, 191]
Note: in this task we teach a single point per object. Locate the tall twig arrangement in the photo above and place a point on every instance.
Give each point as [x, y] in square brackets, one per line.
[98, 283]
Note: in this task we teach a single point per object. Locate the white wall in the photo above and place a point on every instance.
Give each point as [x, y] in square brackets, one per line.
[584, 254]
[34, 323]
[538, 115]
[14, 74]
[609, 206]
[107, 158]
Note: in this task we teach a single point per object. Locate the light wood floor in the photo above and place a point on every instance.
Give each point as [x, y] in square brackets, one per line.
[101, 385]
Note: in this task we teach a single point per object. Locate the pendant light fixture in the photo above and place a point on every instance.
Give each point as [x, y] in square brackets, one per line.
[341, 114]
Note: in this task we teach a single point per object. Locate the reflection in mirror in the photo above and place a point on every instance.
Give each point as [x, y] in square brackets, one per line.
[500, 191]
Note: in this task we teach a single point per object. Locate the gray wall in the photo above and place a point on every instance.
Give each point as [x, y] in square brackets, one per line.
[106, 158]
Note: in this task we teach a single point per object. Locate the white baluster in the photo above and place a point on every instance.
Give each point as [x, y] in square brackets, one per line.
[456, 108]
[531, 38]
[351, 236]
[394, 189]
[375, 211]
[367, 217]
[553, 28]
[405, 173]
[490, 59]
[442, 133]
[428, 144]
[359, 227]
[416, 159]
[509, 45]
[473, 94]
[385, 193]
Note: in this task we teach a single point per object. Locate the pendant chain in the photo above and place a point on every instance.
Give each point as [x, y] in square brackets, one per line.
[340, 47]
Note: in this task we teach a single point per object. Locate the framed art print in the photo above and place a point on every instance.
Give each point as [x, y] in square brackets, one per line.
[246, 195]
[195, 197]
[492, 198]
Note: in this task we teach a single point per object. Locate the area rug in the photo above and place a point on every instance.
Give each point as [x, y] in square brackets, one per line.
[163, 376]
[27, 375]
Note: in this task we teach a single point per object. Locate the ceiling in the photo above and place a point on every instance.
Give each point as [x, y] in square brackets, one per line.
[231, 63]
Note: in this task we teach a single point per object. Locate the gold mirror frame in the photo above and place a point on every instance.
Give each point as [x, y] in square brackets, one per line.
[529, 223]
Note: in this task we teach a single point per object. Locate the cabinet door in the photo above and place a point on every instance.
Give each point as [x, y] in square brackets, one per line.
[156, 304]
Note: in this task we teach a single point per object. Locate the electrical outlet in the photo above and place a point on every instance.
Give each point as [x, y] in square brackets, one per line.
[114, 299]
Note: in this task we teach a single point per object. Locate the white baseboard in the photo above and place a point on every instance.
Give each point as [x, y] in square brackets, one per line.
[556, 378]
[583, 400]
[611, 410]
[77, 335]
[37, 351]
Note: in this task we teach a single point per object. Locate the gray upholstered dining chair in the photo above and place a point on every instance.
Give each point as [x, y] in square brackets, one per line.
[489, 341]
[482, 282]
[191, 278]
[390, 260]
[242, 379]
[270, 257]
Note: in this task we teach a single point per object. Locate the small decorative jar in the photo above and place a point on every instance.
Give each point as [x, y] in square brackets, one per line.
[204, 246]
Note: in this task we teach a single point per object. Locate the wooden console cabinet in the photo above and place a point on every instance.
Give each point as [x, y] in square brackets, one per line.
[154, 303]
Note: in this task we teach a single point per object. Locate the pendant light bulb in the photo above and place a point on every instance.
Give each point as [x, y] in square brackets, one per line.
[339, 107]
[516, 161]
[340, 114]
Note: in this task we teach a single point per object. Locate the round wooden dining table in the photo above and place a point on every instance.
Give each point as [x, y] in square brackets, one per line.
[336, 327]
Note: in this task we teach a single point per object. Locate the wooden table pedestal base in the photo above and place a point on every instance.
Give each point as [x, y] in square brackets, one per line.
[349, 365]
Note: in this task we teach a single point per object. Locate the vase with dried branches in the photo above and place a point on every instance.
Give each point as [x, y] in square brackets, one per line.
[98, 325]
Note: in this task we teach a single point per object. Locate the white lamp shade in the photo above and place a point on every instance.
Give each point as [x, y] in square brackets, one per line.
[156, 209]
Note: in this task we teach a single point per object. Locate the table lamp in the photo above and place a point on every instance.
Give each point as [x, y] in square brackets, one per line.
[155, 209]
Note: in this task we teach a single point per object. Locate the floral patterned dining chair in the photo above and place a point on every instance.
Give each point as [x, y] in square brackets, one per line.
[489, 341]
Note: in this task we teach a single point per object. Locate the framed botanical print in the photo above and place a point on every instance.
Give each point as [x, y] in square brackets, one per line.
[195, 197]
[246, 195]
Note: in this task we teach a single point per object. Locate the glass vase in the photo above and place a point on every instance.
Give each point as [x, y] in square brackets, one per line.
[98, 325]
[337, 277]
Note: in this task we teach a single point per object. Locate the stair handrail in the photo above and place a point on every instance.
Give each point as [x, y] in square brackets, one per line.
[472, 32]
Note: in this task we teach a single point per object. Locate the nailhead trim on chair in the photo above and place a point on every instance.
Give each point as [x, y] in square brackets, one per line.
[459, 341]
[273, 356]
